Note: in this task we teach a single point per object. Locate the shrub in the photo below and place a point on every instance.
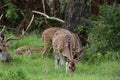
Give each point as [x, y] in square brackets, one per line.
[105, 37]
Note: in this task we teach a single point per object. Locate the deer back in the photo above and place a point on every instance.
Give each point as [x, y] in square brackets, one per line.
[47, 35]
[21, 50]
[62, 43]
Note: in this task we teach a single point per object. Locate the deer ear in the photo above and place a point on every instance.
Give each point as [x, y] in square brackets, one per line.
[77, 59]
[66, 59]
[82, 49]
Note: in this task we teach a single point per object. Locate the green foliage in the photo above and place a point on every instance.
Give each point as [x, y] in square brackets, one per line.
[62, 5]
[11, 13]
[26, 40]
[111, 19]
[104, 39]
[110, 15]
[112, 56]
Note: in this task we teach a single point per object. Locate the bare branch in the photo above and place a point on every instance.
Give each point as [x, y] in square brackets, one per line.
[3, 29]
[1, 16]
[52, 18]
[23, 33]
[43, 6]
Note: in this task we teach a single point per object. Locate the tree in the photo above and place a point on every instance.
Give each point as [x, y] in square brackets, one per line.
[76, 13]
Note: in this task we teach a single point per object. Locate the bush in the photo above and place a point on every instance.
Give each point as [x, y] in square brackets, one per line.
[110, 15]
[105, 37]
[11, 13]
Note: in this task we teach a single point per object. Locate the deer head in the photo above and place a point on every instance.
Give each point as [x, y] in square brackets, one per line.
[71, 64]
[4, 54]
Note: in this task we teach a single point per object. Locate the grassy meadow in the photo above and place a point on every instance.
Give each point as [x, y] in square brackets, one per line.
[34, 67]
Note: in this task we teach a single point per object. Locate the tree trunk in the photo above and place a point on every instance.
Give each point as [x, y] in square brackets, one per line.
[76, 13]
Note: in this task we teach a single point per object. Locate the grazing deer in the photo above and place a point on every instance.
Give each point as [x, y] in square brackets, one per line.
[27, 49]
[47, 36]
[4, 44]
[63, 42]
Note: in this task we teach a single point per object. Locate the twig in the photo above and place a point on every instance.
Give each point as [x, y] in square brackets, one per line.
[30, 22]
[23, 32]
[3, 29]
[52, 18]
[1, 16]
[43, 2]
[43, 6]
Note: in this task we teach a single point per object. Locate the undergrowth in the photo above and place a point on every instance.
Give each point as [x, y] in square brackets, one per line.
[34, 67]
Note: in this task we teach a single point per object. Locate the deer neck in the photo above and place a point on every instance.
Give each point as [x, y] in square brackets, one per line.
[69, 47]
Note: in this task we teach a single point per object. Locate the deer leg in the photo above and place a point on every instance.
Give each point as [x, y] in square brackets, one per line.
[51, 51]
[1, 57]
[29, 52]
[57, 61]
[66, 67]
[62, 62]
[44, 50]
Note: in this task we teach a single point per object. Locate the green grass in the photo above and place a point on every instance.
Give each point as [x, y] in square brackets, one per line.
[34, 67]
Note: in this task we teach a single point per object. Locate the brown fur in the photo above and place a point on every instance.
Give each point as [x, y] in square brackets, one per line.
[27, 49]
[4, 51]
[72, 65]
[62, 44]
[65, 42]
[47, 36]
[4, 54]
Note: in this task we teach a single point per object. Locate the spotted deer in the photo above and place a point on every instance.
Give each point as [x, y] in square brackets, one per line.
[47, 36]
[4, 44]
[64, 42]
[28, 49]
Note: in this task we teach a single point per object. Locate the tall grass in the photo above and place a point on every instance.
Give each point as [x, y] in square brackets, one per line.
[34, 67]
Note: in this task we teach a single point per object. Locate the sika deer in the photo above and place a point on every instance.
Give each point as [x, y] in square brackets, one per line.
[27, 49]
[47, 36]
[4, 44]
[62, 46]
